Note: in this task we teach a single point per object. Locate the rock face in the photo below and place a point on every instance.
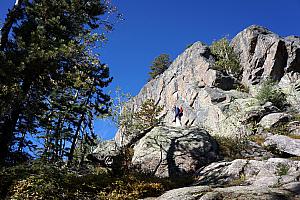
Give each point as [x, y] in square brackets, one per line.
[273, 119]
[211, 99]
[171, 152]
[265, 54]
[275, 178]
[283, 144]
[205, 93]
[234, 192]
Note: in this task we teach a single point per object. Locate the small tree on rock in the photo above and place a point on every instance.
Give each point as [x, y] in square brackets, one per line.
[159, 65]
[226, 58]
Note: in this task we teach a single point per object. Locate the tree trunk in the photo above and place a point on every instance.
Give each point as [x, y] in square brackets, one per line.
[74, 140]
[11, 17]
[7, 129]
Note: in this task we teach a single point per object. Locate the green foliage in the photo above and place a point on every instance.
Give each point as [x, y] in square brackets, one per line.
[282, 169]
[231, 148]
[51, 82]
[146, 117]
[269, 92]
[226, 59]
[159, 65]
[39, 180]
[280, 129]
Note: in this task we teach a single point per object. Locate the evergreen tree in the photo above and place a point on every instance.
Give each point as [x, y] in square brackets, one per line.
[49, 76]
[159, 65]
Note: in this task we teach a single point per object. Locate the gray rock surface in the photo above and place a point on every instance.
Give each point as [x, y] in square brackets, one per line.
[169, 152]
[105, 153]
[274, 119]
[283, 144]
[270, 173]
[265, 54]
[275, 178]
[205, 93]
[234, 192]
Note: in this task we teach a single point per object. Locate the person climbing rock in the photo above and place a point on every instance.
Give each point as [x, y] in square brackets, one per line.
[178, 114]
[176, 110]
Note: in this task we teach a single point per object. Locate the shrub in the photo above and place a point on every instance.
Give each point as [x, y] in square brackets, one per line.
[258, 139]
[282, 169]
[231, 148]
[226, 59]
[268, 92]
[39, 180]
[145, 118]
[159, 65]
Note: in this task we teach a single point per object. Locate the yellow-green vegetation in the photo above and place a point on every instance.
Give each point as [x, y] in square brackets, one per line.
[281, 129]
[226, 58]
[259, 139]
[282, 169]
[230, 148]
[294, 136]
[46, 181]
[238, 181]
[269, 92]
[242, 88]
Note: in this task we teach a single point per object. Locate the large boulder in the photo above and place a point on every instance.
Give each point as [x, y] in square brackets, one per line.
[283, 144]
[273, 119]
[169, 151]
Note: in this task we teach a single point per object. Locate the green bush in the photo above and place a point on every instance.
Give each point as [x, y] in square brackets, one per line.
[231, 148]
[226, 58]
[269, 92]
[282, 169]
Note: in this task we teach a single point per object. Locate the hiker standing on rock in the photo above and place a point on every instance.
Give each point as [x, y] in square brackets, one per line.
[178, 113]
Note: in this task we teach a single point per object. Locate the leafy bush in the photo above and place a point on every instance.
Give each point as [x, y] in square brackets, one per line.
[268, 92]
[226, 58]
[159, 65]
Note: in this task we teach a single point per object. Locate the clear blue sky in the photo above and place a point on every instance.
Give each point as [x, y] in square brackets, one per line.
[168, 26]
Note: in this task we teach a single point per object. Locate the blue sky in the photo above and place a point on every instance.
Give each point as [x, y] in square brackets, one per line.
[168, 26]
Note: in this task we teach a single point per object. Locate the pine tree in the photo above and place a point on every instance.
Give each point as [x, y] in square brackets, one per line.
[45, 62]
[159, 65]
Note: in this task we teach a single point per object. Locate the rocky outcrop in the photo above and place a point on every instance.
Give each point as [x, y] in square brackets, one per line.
[265, 54]
[283, 144]
[274, 119]
[171, 152]
[275, 178]
[211, 99]
[206, 94]
[234, 192]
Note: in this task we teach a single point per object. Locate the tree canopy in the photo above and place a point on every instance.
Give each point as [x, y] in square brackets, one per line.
[159, 65]
[51, 81]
